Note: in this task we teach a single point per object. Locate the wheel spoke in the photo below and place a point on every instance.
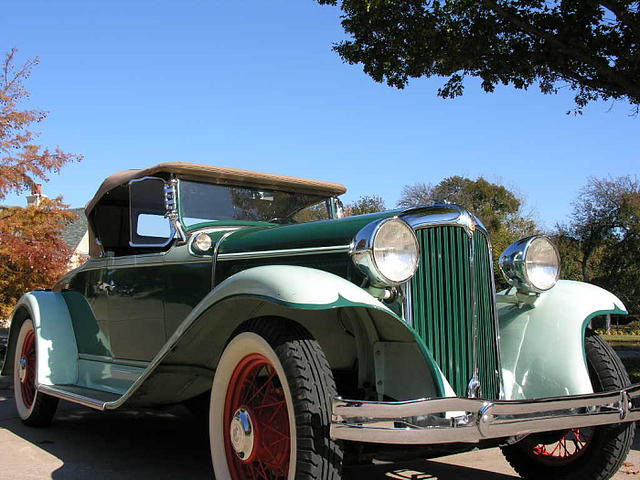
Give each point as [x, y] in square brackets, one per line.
[571, 445]
[266, 426]
[248, 402]
[270, 405]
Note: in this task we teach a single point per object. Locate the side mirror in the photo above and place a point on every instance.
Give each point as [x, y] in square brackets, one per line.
[148, 219]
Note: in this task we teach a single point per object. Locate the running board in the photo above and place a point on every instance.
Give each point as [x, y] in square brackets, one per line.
[84, 396]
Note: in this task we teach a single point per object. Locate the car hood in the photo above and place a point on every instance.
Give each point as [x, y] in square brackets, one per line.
[325, 233]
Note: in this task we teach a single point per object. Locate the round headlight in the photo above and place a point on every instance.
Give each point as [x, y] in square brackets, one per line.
[531, 264]
[386, 251]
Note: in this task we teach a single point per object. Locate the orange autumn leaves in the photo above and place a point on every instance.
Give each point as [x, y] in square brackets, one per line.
[32, 253]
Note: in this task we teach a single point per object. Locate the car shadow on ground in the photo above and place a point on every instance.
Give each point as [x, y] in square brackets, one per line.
[159, 444]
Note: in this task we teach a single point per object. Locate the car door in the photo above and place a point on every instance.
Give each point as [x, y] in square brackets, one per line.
[136, 287]
[136, 277]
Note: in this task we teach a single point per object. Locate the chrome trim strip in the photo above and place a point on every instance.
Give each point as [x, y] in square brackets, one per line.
[407, 303]
[115, 361]
[72, 397]
[474, 389]
[496, 320]
[215, 256]
[158, 264]
[441, 214]
[424, 421]
[283, 253]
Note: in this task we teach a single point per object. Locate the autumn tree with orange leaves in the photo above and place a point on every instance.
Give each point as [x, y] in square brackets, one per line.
[32, 252]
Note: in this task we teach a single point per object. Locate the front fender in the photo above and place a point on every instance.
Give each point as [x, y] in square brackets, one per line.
[336, 312]
[542, 345]
[56, 347]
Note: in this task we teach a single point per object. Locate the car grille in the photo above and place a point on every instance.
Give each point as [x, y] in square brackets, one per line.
[442, 306]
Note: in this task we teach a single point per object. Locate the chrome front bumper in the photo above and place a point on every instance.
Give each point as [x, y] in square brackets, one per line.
[470, 420]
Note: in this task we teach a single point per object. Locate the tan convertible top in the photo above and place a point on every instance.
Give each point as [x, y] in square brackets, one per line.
[212, 174]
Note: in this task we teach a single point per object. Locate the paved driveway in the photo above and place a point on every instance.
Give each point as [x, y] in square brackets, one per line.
[83, 444]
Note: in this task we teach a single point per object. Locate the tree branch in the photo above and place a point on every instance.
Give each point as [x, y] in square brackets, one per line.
[630, 88]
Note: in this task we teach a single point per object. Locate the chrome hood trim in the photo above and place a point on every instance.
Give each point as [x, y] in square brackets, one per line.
[442, 214]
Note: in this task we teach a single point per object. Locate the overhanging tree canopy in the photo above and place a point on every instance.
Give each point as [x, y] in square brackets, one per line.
[590, 46]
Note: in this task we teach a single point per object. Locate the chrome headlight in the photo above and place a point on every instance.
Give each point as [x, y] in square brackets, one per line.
[531, 264]
[386, 251]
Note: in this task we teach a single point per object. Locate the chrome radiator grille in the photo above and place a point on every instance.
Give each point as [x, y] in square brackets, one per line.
[443, 292]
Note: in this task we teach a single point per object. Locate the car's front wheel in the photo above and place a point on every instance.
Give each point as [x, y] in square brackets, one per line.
[35, 408]
[592, 453]
[270, 409]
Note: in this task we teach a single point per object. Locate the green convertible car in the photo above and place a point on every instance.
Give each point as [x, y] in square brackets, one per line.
[315, 341]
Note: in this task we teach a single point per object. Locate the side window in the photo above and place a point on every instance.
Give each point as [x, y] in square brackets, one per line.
[149, 226]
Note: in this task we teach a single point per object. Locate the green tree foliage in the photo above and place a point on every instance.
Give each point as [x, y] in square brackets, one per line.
[497, 207]
[601, 243]
[365, 204]
[591, 47]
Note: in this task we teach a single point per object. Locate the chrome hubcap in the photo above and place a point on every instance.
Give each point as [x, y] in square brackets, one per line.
[242, 434]
[22, 372]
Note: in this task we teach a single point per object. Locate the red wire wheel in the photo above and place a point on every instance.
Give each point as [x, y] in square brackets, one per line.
[28, 369]
[257, 435]
[570, 446]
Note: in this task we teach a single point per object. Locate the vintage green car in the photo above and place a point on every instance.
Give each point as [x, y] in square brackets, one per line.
[315, 340]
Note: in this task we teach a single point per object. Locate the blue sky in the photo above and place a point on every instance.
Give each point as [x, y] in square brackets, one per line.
[255, 85]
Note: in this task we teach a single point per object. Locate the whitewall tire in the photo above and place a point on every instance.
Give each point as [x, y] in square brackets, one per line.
[270, 406]
[34, 408]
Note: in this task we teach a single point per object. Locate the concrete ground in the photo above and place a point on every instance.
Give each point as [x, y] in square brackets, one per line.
[83, 444]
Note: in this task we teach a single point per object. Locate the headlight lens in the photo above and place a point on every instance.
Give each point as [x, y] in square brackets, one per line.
[531, 264]
[386, 251]
[202, 243]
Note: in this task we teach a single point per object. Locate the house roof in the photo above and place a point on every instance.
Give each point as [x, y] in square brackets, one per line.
[72, 234]
[221, 175]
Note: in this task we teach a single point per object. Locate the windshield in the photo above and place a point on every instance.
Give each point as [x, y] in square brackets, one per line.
[206, 202]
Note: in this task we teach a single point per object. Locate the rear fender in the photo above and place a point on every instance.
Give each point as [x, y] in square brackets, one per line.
[56, 347]
[542, 345]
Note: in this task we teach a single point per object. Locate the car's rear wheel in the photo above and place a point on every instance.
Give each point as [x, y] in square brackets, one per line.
[270, 408]
[35, 408]
[592, 453]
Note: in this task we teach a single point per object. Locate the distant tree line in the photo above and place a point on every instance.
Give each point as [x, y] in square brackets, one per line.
[600, 242]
